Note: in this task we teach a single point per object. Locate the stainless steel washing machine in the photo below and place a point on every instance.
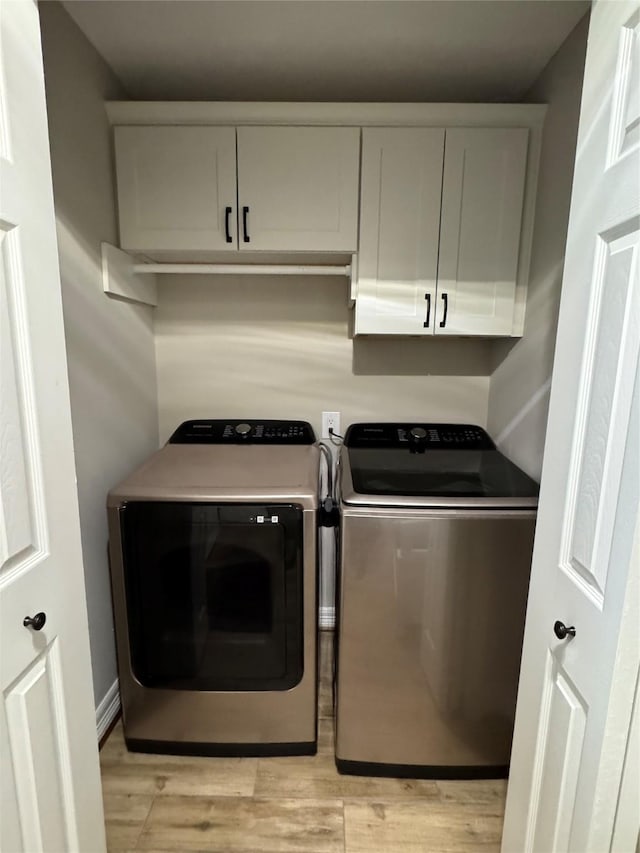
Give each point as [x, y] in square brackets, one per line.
[213, 549]
[436, 543]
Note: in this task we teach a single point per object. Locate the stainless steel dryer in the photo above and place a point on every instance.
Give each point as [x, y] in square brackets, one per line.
[436, 544]
[213, 546]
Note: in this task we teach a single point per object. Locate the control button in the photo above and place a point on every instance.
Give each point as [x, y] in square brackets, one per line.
[418, 432]
[243, 429]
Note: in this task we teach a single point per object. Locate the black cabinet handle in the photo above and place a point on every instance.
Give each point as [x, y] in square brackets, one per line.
[36, 622]
[427, 296]
[227, 217]
[561, 631]
[245, 229]
[445, 299]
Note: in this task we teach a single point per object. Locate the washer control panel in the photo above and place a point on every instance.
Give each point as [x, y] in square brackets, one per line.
[243, 432]
[429, 436]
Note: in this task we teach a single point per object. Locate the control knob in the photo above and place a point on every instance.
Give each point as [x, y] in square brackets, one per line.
[243, 429]
[417, 439]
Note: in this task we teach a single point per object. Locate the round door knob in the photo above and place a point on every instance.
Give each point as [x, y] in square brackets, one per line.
[36, 622]
[561, 631]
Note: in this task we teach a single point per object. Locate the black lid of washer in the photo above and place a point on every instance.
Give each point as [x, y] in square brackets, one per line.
[243, 432]
[426, 436]
[432, 460]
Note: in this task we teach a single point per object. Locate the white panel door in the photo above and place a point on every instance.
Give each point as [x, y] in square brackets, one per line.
[399, 225]
[298, 188]
[176, 188]
[576, 694]
[482, 196]
[51, 797]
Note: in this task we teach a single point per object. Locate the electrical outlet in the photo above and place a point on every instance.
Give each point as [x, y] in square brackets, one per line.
[330, 420]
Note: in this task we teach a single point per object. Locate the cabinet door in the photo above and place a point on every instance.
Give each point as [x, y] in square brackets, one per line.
[298, 188]
[399, 222]
[482, 195]
[175, 185]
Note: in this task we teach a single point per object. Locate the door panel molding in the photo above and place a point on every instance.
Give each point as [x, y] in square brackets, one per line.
[606, 387]
[38, 750]
[562, 731]
[625, 114]
[23, 536]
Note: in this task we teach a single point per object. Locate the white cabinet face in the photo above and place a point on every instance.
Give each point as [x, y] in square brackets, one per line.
[176, 188]
[482, 196]
[440, 229]
[399, 223]
[298, 188]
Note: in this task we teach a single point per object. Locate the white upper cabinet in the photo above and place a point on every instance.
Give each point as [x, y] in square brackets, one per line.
[399, 226]
[291, 189]
[480, 225]
[440, 237]
[436, 205]
[298, 188]
[176, 188]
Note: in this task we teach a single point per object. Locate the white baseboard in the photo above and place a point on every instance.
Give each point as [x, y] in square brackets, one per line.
[327, 618]
[107, 709]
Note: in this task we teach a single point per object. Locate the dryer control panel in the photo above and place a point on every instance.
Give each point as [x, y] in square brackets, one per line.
[429, 436]
[243, 432]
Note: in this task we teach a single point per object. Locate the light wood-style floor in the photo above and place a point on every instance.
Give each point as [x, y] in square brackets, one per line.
[289, 805]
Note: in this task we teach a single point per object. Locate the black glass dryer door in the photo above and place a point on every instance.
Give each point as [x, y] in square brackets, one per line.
[214, 595]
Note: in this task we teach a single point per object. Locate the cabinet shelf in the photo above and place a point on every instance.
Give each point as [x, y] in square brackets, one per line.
[245, 269]
[126, 277]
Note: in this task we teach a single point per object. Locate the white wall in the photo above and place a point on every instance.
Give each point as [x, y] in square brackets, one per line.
[249, 346]
[109, 344]
[520, 384]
